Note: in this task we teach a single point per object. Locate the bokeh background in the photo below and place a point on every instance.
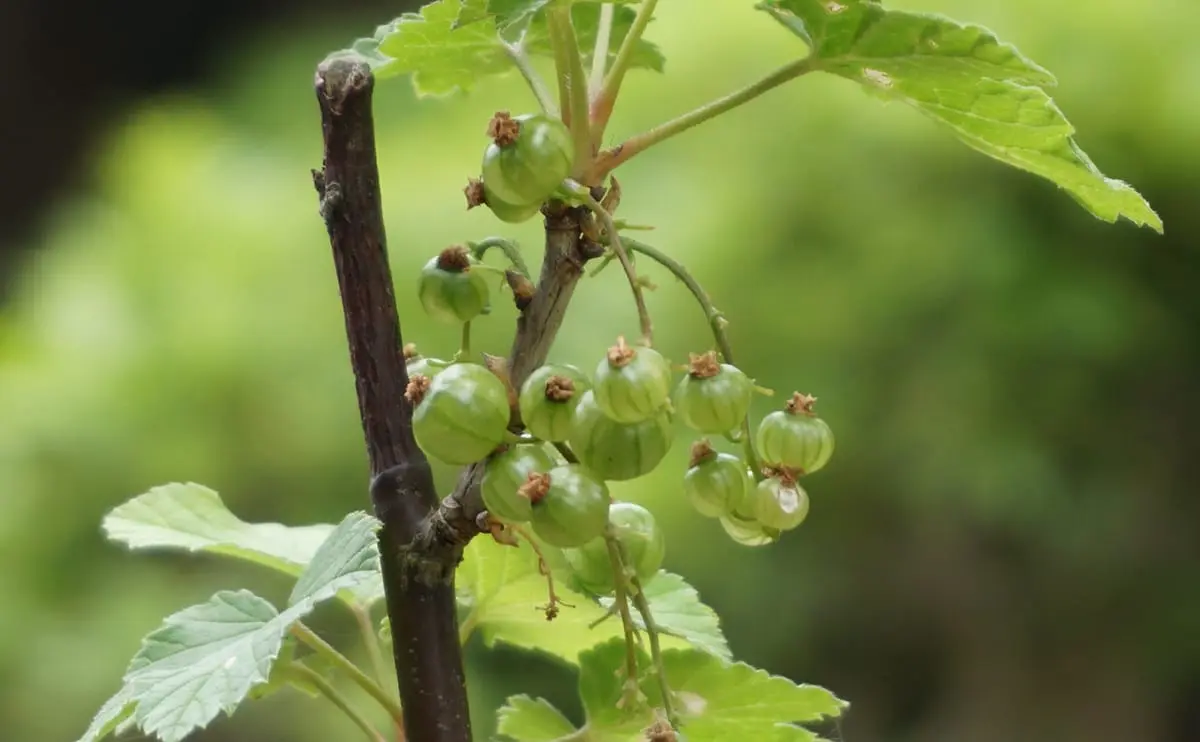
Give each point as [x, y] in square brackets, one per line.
[1007, 543]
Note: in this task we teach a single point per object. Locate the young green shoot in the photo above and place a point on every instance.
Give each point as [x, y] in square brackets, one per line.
[608, 160]
[606, 98]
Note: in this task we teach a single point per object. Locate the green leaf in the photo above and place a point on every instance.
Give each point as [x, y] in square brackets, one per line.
[442, 58]
[513, 17]
[204, 660]
[348, 559]
[505, 595]
[716, 700]
[210, 657]
[719, 700]
[601, 688]
[961, 76]
[114, 716]
[677, 610]
[525, 719]
[191, 517]
[447, 52]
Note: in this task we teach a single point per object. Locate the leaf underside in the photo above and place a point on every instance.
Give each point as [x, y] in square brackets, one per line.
[208, 658]
[983, 90]
[191, 517]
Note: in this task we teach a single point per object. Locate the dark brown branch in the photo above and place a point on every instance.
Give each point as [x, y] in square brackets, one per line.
[418, 565]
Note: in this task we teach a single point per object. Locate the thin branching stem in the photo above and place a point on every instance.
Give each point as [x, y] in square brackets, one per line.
[516, 52]
[652, 631]
[508, 247]
[716, 321]
[609, 160]
[325, 688]
[464, 345]
[618, 248]
[566, 452]
[621, 601]
[551, 608]
[308, 637]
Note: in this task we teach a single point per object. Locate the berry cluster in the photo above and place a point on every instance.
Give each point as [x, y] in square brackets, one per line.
[551, 447]
[581, 432]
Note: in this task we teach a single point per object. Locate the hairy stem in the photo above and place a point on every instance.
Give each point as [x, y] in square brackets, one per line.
[464, 344]
[618, 248]
[609, 160]
[508, 247]
[716, 321]
[417, 561]
[559, 19]
[309, 638]
[600, 53]
[566, 452]
[325, 688]
[606, 98]
[362, 618]
[621, 600]
[562, 69]
[652, 631]
[551, 607]
[516, 52]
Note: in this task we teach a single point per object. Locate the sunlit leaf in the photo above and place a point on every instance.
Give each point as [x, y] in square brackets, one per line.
[716, 700]
[677, 610]
[525, 719]
[504, 596]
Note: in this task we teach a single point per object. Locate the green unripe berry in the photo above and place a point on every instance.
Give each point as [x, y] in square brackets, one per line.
[745, 531]
[512, 213]
[618, 451]
[569, 505]
[461, 415]
[714, 397]
[780, 503]
[504, 475]
[548, 399]
[795, 438]
[716, 484]
[641, 540]
[451, 290]
[528, 159]
[632, 384]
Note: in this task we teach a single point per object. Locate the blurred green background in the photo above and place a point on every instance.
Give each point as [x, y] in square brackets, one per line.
[1007, 543]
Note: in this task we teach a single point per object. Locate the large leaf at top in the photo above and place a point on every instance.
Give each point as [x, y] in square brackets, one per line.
[503, 594]
[716, 701]
[447, 46]
[983, 90]
[208, 658]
